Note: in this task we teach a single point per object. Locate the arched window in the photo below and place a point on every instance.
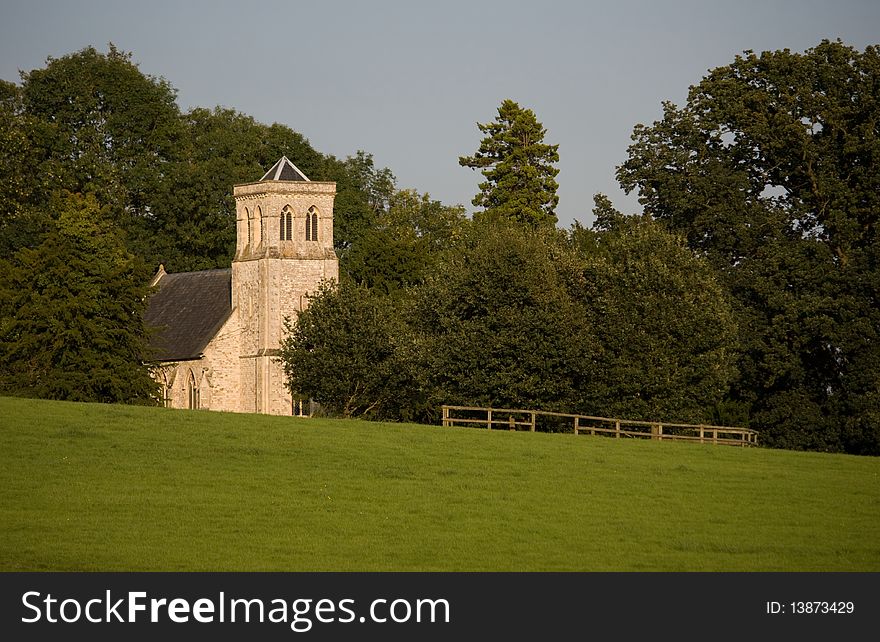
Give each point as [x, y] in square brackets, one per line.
[193, 391]
[247, 222]
[312, 224]
[258, 226]
[285, 225]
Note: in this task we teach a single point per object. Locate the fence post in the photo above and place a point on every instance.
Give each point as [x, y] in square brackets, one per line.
[512, 423]
[715, 436]
[489, 418]
[617, 428]
[534, 418]
[575, 425]
[701, 433]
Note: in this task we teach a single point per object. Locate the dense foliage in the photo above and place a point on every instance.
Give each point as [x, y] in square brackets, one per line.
[71, 313]
[625, 321]
[405, 244]
[499, 326]
[663, 327]
[771, 171]
[346, 352]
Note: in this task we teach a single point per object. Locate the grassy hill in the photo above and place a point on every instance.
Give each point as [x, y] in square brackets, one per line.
[95, 487]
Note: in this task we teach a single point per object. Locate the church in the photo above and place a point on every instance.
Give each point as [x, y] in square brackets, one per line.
[218, 332]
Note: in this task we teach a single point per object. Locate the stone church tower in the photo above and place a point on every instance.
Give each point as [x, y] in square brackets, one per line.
[219, 332]
[284, 225]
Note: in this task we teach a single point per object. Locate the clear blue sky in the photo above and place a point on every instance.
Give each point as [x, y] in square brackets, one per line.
[408, 80]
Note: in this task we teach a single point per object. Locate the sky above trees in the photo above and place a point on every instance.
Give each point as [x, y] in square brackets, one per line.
[408, 81]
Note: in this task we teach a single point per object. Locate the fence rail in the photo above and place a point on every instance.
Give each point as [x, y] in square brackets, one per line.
[517, 419]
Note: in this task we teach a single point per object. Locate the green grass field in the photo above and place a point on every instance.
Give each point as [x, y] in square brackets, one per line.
[95, 487]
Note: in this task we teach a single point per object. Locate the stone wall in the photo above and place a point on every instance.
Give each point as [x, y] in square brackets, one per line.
[222, 371]
[216, 374]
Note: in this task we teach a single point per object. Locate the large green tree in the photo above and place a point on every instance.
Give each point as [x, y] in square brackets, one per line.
[663, 330]
[109, 129]
[363, 192]
[498, 323]
[23, 185]
[518, 167]
[771, 170]
[349, 352]
[71, 312]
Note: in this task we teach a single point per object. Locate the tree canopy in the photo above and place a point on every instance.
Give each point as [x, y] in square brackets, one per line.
[499, 326]
[345, 352]
[71, 313]
[518, 167]
[771, 171]
[625, 321]
[662, 325]
[108, 129]
[405, 243]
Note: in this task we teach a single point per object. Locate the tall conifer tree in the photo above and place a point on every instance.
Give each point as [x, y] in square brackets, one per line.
[518, 166]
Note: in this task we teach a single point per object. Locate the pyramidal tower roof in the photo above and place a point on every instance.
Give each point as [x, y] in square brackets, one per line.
[284, 170]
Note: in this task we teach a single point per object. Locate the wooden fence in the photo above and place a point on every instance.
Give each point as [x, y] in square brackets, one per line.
[510, 419]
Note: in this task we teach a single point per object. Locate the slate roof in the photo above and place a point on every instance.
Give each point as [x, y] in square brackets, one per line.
[188, 310]
[284, 170]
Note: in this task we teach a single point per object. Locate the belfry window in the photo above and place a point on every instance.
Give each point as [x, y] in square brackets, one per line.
[286, 224]
[312, 224]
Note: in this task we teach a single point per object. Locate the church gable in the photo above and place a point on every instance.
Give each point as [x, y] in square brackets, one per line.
[187, 311]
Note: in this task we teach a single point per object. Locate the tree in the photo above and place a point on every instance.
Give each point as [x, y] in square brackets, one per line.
[71, 313]
[362, 195]
[518, 166]
[771, 170]
[406, 243]
[348, 351]
[23, 187]
[98, 125]
[497, 323]
[110, 129]
[663, 331]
